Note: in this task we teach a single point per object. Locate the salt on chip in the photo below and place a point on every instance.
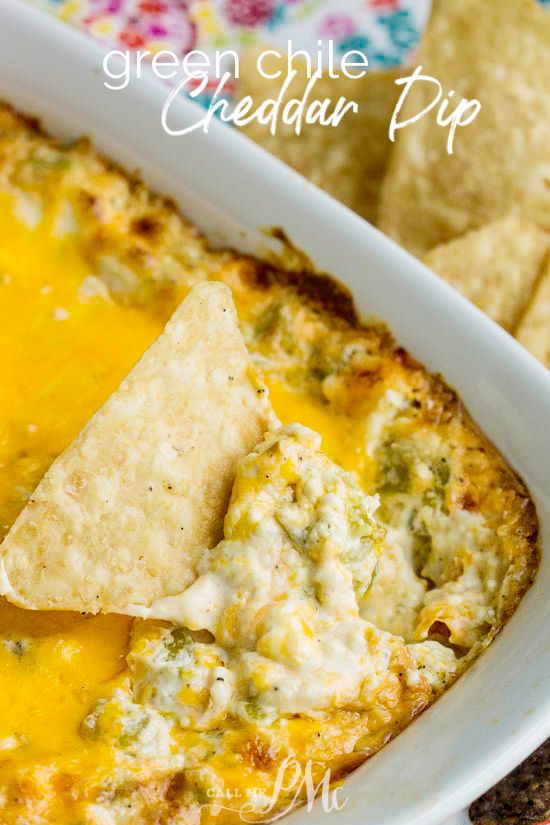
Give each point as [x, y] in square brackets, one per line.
[122, 516]
[349, 160]
[534, 327]
[497, 51]
[496, 266]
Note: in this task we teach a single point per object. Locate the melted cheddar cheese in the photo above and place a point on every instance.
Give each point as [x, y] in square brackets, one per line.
[67, 346]
[104, 721]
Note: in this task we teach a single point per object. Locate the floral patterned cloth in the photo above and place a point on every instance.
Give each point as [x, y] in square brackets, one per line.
[387, 31]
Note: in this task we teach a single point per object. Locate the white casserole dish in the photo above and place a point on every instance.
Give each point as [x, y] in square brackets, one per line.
[499, 711]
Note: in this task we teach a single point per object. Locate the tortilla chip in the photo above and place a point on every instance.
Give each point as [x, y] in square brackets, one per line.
[498, 52]
[496, 267]
[349, 160]
[122, 516]
[534, 328]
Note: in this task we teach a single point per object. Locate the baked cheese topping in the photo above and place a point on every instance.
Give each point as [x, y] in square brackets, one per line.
[273, 625]
[281, 591]
[280, 596]
[369, 554]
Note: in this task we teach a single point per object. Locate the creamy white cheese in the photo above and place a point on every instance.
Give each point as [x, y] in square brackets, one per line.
[291, 612]
[280, 595]
[175, 673]
[135, 729]
[434, 661]
[394, 601]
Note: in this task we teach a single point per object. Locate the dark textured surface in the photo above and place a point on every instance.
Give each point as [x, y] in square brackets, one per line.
[522, 798]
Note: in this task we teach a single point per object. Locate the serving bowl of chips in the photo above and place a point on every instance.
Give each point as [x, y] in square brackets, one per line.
[500, 709]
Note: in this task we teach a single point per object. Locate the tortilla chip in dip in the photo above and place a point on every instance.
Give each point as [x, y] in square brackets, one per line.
[496, 267]
[348, 161]
[122, 515]
[534, 327]
[498, 53]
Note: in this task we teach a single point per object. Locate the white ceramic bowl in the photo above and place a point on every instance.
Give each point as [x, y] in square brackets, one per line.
[499, 711]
